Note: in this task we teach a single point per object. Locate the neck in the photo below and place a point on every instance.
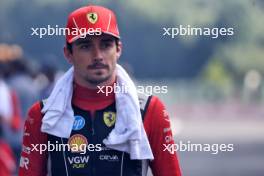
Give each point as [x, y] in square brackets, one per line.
[91, 99]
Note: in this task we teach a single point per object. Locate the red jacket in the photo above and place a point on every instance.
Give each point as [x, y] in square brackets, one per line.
[157, 127]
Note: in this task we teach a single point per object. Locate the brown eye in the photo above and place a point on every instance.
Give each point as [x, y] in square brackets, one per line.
[106, 44]
[85, 46]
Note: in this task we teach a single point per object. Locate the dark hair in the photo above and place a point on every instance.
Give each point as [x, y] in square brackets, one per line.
[69, 45]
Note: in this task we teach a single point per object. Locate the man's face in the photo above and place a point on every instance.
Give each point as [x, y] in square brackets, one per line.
[94, 59]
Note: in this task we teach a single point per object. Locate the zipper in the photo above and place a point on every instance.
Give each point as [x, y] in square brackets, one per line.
[122, 162]
[93, 160]
[92, 118]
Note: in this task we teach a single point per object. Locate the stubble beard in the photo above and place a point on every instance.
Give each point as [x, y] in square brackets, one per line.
[98, 81]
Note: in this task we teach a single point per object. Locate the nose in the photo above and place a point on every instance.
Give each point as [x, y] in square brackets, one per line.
[97, 54]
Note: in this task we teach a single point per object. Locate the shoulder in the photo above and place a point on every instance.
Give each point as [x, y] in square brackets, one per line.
[156, 113]
[34, 116]
[35, 109]
[155, 104]
[149, 101]
[32, 126]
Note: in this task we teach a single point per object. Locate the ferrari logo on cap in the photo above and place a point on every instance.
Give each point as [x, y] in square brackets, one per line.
[92, 17]
[109, 118]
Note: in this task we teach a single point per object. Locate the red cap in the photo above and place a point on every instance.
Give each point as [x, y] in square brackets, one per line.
[94, 19]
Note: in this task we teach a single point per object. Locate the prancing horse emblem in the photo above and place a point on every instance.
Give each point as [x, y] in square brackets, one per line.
[109, 118]
[92, 17]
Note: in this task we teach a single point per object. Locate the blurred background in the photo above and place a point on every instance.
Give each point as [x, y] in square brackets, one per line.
[215, 86]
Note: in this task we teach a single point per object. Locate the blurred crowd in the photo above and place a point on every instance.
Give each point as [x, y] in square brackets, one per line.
[22, 83]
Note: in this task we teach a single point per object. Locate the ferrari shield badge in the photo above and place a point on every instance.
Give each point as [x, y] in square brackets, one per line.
[109, 118]
[92, 17]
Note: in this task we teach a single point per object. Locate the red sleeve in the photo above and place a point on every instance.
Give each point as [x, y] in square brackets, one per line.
[157, 126]
[32, 162]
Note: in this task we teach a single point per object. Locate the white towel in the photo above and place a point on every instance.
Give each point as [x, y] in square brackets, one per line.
[58, 113]
[128, 135]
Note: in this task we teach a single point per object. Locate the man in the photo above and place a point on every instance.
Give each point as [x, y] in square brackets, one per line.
[8, 116]
[10, 104]
[94, 58]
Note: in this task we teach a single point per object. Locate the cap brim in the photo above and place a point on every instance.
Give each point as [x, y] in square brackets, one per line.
[80, 36]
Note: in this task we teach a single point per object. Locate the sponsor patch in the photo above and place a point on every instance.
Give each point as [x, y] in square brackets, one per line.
[77, 143]
[78, 161]
[26, 149]
[25, 131]
[109, 158]
[24, 162]
[168, 139]
[166, 115]
[79, 123]
[109, 118]
[92, 17]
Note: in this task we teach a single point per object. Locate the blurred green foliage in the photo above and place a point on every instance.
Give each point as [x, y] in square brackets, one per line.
[243, 51]
[234, 55]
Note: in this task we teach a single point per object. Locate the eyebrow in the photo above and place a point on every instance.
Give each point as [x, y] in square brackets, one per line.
[79, 42]
[83, 42]
[108, 40]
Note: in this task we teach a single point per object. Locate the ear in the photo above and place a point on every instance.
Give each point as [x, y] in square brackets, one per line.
[119, 49]
[67, 54]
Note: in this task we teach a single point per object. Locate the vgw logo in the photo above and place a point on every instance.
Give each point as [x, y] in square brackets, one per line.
[78, 161]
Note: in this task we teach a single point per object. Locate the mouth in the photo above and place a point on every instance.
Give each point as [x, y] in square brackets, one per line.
[97, 66]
